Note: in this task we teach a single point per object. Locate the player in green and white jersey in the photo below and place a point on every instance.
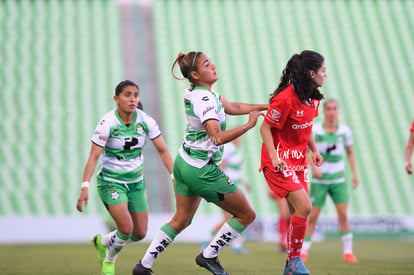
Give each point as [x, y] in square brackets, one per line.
[334, 141]
[119, 139]
[196, 168]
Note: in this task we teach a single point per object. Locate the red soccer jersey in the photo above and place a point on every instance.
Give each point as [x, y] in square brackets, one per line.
[292, 121]
[412, 127]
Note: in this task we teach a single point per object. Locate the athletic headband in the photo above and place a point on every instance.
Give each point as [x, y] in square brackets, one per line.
[192, 64]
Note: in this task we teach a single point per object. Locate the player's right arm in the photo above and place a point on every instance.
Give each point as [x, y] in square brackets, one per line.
[87, 175]
[266, 133]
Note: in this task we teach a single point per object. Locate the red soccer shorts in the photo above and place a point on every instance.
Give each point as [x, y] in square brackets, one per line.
[283, 182]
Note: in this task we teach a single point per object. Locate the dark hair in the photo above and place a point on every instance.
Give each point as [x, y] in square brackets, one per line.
[140, 106]
[187, 63]
[297, 72]
[121, 85]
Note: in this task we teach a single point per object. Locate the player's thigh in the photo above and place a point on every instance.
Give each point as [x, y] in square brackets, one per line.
[318, 193]
[137, 197]
[208, 182]
[236, 204]
[339, 193]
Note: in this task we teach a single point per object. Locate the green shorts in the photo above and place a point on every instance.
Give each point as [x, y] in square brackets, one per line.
[113, 193]
[337, 191]
[208, 182]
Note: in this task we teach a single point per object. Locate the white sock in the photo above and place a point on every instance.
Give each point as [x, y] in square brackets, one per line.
[223, 238]
[306, 247]
[238, 243]
[347, 242]
[157, 246]
[105, 238]
[115, 245]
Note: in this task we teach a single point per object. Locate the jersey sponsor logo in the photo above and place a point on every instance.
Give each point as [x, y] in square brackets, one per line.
[282, 153]
[302, 126]
[331, 147]
[205, 98]
[115, 132]
[208, 109]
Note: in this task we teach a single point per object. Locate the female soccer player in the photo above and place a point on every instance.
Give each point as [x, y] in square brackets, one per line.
[333, 140]
[196, 169]
[286, 133]
[118, 139]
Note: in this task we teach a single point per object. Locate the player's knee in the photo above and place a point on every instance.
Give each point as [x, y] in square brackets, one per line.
[304, 210]
[139, 235]
[249, 216]
[125, 228]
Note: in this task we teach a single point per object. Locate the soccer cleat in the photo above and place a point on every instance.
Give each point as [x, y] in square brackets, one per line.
[211, 264]
[240, 250]
[139, 269]
[304, 257]
[350, 258]
[108, 268]
[100, 248]
[295, 267]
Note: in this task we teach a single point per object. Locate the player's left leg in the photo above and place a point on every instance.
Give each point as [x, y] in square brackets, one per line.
[346, 233]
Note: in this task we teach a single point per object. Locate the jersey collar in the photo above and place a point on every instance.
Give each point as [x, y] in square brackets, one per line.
[120, 120]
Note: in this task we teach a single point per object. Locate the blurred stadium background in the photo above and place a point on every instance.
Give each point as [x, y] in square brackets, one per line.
[61, 60]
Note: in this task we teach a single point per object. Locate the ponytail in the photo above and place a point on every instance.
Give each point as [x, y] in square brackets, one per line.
[297, 73]
[187, 63]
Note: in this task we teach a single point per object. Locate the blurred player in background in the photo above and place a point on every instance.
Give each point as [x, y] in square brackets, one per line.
[286, 133]
[232, 167]
[409, 151]
[284, 220]
[333, 140]
[119, 139]
[196, 168]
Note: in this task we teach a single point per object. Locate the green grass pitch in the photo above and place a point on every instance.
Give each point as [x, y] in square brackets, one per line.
[375, 257]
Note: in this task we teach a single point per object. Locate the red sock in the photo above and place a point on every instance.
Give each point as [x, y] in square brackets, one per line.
[283, 230]
[296, 235]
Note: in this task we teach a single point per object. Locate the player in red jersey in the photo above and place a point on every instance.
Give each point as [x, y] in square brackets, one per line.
[409, 151]
[286, 134]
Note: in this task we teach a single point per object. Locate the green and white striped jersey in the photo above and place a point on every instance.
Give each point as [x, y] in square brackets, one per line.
[233, 160]
[201, 105]
[332, 148]
[122, 159]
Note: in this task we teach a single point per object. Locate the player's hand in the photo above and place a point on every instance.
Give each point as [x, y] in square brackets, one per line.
[83, 198]
[317, 159]
[355, 182]
[409, 168]
[253, 116]
[316, 173]
[279, 164]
